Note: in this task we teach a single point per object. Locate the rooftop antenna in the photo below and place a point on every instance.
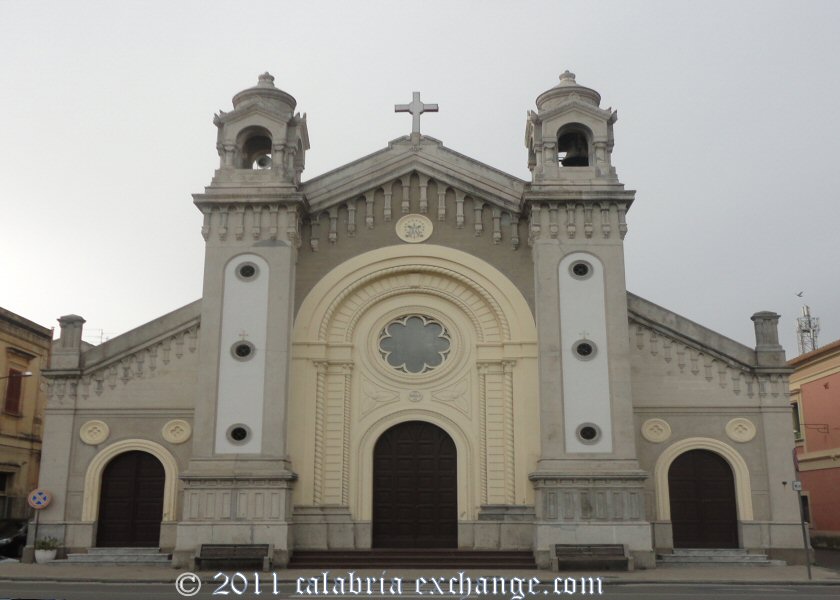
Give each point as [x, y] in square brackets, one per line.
[807, 330]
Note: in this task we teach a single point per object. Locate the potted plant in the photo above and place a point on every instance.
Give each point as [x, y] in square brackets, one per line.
[45, 549]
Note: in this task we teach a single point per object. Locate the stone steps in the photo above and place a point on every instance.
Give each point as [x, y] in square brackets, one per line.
[406, 558]
[715, 556]
[121, 556]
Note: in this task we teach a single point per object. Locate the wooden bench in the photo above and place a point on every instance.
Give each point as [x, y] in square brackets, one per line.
[602, 557]
[234, 556]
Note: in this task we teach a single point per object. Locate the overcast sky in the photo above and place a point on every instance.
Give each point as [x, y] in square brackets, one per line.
[728, 131]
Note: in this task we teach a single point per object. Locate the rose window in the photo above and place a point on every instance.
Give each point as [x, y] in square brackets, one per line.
[414, 344]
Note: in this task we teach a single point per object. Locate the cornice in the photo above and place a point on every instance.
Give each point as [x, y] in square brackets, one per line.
[572, 103]
[251, 108]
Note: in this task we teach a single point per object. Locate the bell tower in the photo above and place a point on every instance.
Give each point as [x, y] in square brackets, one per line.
[238, 483]
[570, 138]
[262, 134]
[588, 474]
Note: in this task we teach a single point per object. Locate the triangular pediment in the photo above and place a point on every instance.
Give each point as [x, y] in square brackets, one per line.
[427, 158]
[579, 106]
[256, 108]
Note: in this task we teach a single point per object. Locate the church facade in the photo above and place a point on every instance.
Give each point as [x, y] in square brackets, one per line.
[419, 350]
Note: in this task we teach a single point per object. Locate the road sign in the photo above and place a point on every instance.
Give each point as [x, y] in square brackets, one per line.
[797, 486]
[39, 499]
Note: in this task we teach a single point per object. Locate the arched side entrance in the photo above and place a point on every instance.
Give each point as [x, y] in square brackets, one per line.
[415, 488]
[743, 490]
[131, 501]
[702, 499]
[93, 476]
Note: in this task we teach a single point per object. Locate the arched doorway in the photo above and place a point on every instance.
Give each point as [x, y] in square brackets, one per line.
[415, 488]
[702, 496]
[131, 501]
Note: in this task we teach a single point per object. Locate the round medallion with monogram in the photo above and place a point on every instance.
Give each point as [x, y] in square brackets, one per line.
[177, 431]
[414, 228]
[656, 430]
[94, 433]
[740, 430]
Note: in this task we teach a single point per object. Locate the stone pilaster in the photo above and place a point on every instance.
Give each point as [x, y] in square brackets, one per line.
[768, 350]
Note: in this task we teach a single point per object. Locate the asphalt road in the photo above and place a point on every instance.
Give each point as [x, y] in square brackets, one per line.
[90, 591]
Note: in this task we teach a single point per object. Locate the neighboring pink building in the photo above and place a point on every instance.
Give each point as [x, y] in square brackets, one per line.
[815, 397]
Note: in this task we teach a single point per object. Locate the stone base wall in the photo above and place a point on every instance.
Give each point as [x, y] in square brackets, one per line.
[236, 498]
[328, 528]
[825, 539]
[608, 508]
[635, 537]
[777, 540]
[792, 556]
[234, 510]
[333, 528]
[192, 535]
[499, 527]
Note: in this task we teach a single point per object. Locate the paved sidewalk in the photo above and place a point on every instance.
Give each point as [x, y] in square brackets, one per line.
[61, 571]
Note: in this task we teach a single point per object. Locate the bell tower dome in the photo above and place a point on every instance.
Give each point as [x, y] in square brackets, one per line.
[262, 133]
[570, 138]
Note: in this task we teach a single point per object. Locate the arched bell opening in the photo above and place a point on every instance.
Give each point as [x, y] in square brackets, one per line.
[254, 147]
[573, 146]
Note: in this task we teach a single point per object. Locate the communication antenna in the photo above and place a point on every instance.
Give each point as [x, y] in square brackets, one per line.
[97, 336]
[807, 330]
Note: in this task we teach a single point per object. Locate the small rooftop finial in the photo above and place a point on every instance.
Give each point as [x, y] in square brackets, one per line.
[266, 80]
[567, 77]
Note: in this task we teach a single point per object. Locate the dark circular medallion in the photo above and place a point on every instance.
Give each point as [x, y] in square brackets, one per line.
[580, 269]
[588, 433]
[238, 434]
[242, 350]
[584, 349]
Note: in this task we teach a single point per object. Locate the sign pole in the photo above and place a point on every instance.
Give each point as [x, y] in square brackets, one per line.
[39, 500]
[797, 485]
[805, 540]
[35, 537]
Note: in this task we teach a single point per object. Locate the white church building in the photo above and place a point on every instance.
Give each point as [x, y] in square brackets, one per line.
[418, 350]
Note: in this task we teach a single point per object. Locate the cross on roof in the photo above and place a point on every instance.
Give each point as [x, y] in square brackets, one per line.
[416, 108]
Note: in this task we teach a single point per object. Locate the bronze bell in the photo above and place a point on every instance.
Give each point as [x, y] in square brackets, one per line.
[576, 150]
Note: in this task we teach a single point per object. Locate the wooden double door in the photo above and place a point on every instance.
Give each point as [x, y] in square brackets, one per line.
[131, 501]
[415, 488]
[703, 508]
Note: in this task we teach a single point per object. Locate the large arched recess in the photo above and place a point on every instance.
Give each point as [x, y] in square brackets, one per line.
[93, 476]
[740, 472]
[318, 308]
[329, 354]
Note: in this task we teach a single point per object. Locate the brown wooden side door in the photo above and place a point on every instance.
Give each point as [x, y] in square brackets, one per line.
[415, 488]
[131, 501]
[703, 509]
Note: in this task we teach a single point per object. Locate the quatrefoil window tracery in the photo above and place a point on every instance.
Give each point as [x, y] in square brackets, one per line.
[414, 344]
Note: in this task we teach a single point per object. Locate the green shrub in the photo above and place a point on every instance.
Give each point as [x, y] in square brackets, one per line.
[47, 543]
